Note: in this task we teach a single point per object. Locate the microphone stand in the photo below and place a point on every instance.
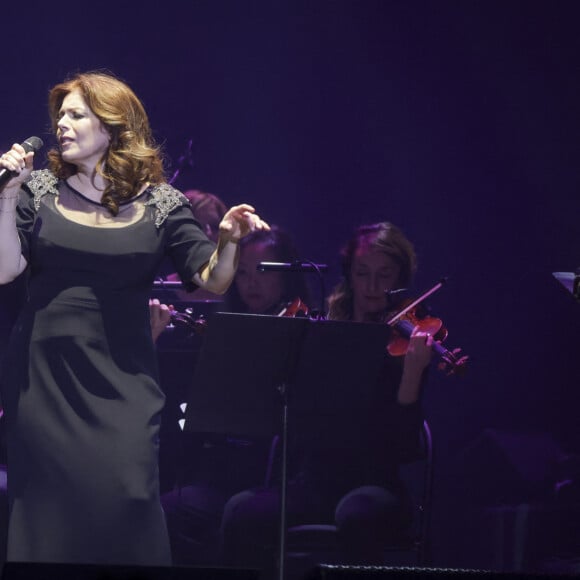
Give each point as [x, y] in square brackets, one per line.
[301, 266]
[304, 266]
[168, 284]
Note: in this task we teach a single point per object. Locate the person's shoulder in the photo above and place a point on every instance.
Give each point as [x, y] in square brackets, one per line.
[165, 199]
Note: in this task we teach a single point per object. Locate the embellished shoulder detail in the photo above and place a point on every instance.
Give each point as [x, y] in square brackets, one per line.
[42, 182]
[165, 198]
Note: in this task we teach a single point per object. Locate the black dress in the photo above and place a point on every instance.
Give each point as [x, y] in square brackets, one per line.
[80, 384]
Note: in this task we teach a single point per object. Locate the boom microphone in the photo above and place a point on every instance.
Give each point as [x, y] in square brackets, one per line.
[31, 144]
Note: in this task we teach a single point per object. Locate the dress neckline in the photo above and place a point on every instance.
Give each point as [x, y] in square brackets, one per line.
[98, 203]
[84, 199]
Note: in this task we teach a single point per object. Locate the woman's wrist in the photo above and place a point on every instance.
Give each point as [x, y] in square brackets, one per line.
[226, 240]
[227, 244]
[8, 202]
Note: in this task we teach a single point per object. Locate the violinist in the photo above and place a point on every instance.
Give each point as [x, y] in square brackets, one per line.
[376, 260]
[256, 292]
[351, 484]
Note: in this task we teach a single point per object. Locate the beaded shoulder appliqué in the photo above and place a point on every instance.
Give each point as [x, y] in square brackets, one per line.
[42, 182]
[165, 198]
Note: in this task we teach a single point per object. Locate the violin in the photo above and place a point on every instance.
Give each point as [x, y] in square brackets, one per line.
[411, 317]
[198, 324]
[187, 319]
[294, 308]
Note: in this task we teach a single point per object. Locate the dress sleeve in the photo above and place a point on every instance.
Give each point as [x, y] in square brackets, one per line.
[188, 248]
[25, 217]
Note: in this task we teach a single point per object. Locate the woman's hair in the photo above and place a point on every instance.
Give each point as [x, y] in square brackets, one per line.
[283, 249]
[132, 158]
[383, 237]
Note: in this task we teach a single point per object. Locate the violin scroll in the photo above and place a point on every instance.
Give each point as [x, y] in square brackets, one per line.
[452, 363]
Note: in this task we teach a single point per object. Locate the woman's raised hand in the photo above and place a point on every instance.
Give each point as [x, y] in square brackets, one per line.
[239, 221]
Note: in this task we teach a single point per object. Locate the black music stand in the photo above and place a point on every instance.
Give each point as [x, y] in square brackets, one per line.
[255, 371]
[570, 281]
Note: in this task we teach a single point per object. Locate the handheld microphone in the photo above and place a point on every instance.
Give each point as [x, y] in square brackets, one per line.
[31, 144]
[296, 266]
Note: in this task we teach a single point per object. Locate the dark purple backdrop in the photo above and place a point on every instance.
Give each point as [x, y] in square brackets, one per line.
[458, 121]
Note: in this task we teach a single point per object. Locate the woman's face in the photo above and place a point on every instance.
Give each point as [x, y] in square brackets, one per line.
[82, 137]
[372, 273]
[259, 291]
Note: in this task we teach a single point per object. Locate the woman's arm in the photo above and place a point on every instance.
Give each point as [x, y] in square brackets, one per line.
[217, 275]
[159, 317]
[417, 359]
[12, 262]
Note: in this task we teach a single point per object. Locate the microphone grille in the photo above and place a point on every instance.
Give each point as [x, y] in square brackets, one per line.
[32, 144]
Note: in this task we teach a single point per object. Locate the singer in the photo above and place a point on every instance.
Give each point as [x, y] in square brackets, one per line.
[80, 390]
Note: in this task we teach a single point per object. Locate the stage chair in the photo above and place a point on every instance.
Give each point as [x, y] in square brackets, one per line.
[312, 544]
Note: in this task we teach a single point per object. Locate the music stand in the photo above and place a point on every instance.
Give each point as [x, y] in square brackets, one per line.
[255, 370]
[570, 281]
